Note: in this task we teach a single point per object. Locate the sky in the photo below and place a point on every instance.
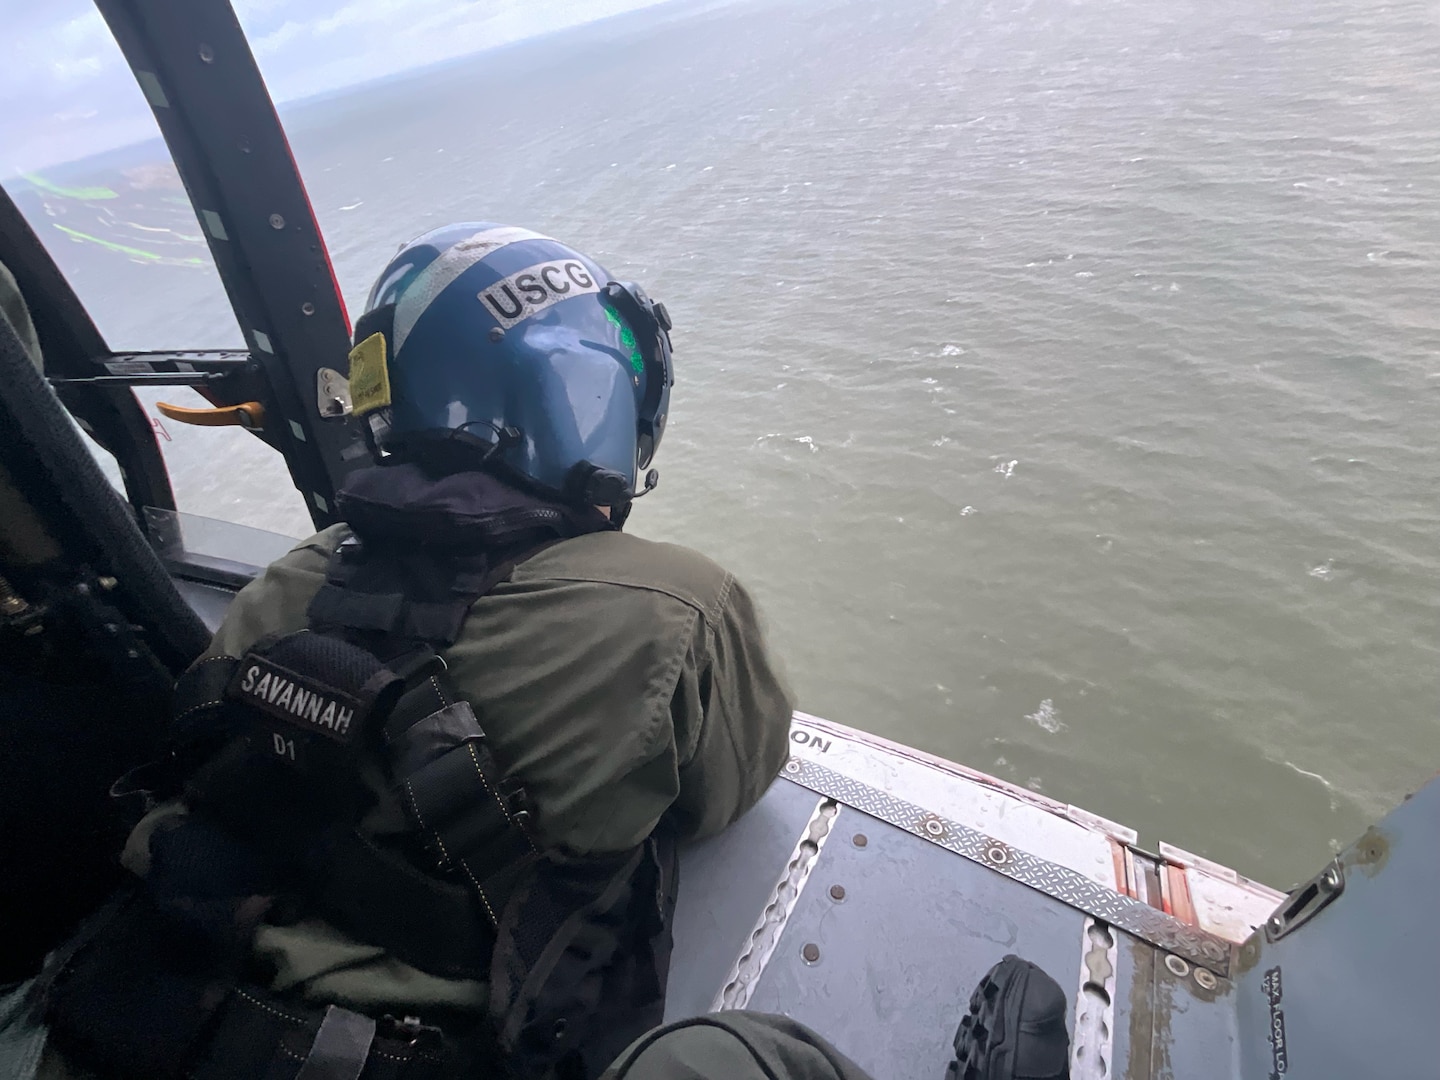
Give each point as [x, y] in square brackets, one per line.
[65, 91]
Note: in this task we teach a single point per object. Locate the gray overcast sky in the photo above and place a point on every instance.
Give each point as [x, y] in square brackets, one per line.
[65, 91]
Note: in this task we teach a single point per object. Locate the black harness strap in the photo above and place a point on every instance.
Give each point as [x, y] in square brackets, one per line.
[259, 1035]
[473, 819]
[341, 1046]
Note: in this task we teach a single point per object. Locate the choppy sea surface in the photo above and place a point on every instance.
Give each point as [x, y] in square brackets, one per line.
[1062, 376]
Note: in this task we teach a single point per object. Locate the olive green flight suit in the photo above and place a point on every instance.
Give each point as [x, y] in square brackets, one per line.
[616, 677]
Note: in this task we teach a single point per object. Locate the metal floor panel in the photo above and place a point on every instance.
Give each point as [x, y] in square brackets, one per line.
[725, 883]
[1172, 1021]
[900, 954]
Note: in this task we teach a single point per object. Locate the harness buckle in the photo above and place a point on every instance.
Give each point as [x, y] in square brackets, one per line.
[517, 801]
[411, 1030]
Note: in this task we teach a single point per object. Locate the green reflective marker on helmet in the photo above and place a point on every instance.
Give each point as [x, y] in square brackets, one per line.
[627, 339]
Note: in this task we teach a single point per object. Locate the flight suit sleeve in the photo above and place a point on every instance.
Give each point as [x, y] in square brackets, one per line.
[733, 1046]
[731, 713]
[275, 602]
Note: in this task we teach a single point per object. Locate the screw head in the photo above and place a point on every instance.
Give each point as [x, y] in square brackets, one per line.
[307, 308]
[207, 54]
[1205, 979]
[933, 827]
[276, 221]
[811, 953]
[497, 333]
[1177, 966]
[859, 840]
[837, 892]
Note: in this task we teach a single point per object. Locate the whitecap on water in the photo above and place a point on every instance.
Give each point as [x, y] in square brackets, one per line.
[1329, 787]
[1047, 718]
[1006, 468]
[952, 350]
[966, 511]
[803, 440]
[1323, 571]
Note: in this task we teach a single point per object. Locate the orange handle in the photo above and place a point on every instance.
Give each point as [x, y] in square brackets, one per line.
[248, 414]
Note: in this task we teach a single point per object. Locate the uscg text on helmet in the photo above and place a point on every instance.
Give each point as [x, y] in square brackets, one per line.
[528, 292]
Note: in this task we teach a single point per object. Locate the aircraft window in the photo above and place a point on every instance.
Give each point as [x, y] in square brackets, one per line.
[87, 167]
[225, 472]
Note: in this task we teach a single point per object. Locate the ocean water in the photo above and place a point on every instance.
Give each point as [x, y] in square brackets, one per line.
[1062, 376]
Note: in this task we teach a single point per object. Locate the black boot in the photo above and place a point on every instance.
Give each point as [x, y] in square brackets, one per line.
[1015, 1029]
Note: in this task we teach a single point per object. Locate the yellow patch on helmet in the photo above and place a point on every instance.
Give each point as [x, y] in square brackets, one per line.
[369, 376]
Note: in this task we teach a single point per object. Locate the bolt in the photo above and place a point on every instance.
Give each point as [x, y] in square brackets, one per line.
[1205, 979]
[837, 892]
[497, 333]
[1276, 924]
[207, 54]
[997, 855]
[1177, 966]
[276, 221]
[1331, 879]
[860, 840]
[811, 953]
[792, 766]
[307, 308]
[934, 828]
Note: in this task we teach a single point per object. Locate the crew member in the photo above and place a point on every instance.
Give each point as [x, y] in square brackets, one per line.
[361, 850]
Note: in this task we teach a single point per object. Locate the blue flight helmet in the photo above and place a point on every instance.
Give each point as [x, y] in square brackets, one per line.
[488, 346]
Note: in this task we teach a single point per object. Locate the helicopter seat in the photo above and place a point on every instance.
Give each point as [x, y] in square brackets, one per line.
[92, 634]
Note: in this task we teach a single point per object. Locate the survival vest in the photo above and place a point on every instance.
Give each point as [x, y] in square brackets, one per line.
[281, 760]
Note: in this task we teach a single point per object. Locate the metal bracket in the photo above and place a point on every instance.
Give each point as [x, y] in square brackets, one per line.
[1307, 901]
[332, 393]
